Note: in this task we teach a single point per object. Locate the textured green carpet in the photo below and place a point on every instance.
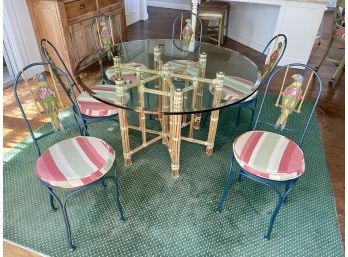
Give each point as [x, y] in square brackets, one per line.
[175, 218]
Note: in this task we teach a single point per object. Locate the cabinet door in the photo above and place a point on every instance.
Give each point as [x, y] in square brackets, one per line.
[119, 19]
[82, 41]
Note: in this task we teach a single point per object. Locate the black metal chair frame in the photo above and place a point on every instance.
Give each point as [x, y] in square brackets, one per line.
[288, 184]
[73, 85]
[63, 203]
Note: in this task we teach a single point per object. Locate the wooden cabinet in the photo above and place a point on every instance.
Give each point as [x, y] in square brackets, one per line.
[66, 24]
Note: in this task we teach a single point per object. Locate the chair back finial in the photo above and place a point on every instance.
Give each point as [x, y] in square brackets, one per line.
[300, 82]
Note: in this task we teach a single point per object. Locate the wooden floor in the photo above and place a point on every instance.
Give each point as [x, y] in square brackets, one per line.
[330, 110]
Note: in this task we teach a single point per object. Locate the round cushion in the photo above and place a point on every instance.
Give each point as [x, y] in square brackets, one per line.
[127, 75]
[75, 162]
[269, 155]
[235, 88]
[92, 107]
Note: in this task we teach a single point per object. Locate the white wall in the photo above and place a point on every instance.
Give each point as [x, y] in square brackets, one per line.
[174, 4]
[259, 19]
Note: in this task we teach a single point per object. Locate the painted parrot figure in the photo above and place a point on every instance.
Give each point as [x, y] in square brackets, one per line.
[47, 98]
[106, 39]
[187, 31]
[291, 95]
[272, 60]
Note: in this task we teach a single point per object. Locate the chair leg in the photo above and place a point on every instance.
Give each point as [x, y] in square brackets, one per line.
[281, 200]
[253, 108]
[325, 54]
[220, 31]
[338, 70]
[51, 200]
[118, 202]
[226, 187]
[71, 247]
[238, 116]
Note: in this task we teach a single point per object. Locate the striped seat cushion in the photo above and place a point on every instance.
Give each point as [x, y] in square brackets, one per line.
[75, 162]
[269, 155]
[127, 75]
[184, 67]
[236, 88]
[92, 107]
[340, 32]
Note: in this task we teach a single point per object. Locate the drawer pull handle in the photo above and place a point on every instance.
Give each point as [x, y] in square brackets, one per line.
[82, 6]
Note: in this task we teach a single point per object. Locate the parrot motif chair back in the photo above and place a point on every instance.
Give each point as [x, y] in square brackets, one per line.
[69, 164]
[271, 153]
[51, 54]
[182, 28]
[275, 50]
[44, 89]
[106, 32]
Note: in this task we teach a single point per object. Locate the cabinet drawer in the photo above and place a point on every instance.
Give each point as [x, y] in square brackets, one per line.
[105, 3]
[79, 7]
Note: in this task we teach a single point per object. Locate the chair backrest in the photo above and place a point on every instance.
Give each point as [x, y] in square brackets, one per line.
[286, 91]
[274, 49]
[338, 26]
[106, 32]
[44, 99]
[186, 32]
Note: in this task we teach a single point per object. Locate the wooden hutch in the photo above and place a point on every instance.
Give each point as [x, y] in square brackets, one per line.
[66, 24]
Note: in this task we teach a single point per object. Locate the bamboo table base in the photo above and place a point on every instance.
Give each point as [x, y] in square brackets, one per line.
[172, 139]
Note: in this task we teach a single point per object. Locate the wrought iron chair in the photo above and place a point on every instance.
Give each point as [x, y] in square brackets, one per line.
[91, 110]
[278, 44]
[338, 35]
[74, 164]
[215, 11]
[266, 156]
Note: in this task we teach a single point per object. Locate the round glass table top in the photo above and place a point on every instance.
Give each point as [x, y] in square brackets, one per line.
[154, 75]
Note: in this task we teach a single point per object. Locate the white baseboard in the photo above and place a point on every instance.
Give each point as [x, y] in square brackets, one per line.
[169, 5]
[247, 41]
[132, 17]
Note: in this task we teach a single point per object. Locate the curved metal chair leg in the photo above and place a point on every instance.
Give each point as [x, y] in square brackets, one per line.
[238, 116]
[253, 109]
[71, 247]
[118, 202]
[103, 184]
[51, 199]
[282, 199]
[274, 215]
[239, 177]
[325, 54]
[226, 187]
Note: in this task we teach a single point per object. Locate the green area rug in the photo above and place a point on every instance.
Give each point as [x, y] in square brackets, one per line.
[175, 218]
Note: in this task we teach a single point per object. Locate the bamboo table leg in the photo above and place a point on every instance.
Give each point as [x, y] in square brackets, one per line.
[175, 134]
[218, 84]
[122, 117]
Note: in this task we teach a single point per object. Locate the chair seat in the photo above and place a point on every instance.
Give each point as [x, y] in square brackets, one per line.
[340, 32]
[184, 67]
[75, 162]
[210, 14]
[234, 88]
[92, 107]
[127, 75]
[269, 155]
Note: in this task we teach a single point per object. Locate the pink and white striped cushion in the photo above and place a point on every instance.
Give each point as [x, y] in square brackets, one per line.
[269, 155]
[75, 162]
[340, 32]
[92, 107]
[236, 88]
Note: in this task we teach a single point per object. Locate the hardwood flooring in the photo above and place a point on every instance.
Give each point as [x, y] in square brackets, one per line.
[330, 110]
